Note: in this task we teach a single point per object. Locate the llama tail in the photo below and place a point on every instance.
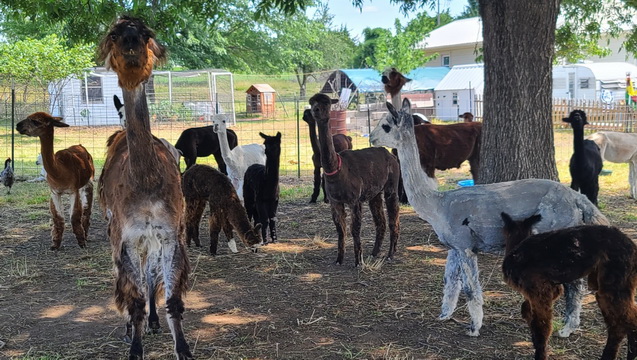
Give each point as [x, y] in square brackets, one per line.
[590, 213]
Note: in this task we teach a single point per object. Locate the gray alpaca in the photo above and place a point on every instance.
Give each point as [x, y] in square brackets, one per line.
[467, 220]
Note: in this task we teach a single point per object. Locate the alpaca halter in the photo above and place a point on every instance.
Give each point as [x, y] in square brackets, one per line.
[338, 167]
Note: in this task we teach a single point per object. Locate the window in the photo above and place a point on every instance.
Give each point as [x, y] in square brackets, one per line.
[583, 83]
[455, 98]
[92, 88]
[446, 60]
[267, 98]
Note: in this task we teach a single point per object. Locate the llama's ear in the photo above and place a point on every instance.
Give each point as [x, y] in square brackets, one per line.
[117, 102]
[407, 80]
[278, 135]
[566, 120]
[530, 221]
[392, 109]
[263, 135]
[508, 222]
[158, 50]
[57, 121]
[406, 106]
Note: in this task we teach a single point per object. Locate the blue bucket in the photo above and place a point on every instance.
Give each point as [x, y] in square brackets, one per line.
[464, 183]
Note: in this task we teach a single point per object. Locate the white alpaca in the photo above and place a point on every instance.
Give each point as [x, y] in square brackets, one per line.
[42, 177]
[467, 220]
[619, 148]
[238, 159]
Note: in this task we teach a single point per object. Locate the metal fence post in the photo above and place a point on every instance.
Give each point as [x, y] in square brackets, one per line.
[298, 137]
[12, 127]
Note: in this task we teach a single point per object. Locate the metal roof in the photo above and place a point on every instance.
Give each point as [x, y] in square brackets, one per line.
[464, 31]
[425, 78]
[609, 71]
[462, 77]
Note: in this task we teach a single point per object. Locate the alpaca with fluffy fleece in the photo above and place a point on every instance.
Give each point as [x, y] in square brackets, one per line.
[538, 265]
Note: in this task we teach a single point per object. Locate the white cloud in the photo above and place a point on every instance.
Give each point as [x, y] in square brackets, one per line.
[369, 9]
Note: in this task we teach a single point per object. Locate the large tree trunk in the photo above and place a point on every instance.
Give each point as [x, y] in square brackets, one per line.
[517, 139]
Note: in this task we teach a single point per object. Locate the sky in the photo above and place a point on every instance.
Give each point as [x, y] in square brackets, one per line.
[378, 13]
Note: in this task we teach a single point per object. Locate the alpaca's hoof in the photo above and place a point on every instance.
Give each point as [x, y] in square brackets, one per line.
[127, 339]
[337, 262]
[185, 355]
[313, 201]
[565, 332]
[55, 247]
[232, 244]
[473, 333]
[444, 317]
[154, 328]
[82, 245]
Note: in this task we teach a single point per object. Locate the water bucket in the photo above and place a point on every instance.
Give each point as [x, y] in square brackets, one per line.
[338, 122]
[464, 183]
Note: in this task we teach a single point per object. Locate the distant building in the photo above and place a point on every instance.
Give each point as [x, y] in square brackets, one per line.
[260, 99]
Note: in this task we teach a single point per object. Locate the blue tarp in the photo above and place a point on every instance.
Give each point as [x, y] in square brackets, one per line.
[365, 80]
[425, 78]
[368, 80]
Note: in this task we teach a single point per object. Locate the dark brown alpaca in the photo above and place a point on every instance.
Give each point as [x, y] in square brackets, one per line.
[69, 171]
[466, 117]
[538, 265]
[203, 184]
[341, 142]
[353, 177]
[140, 193]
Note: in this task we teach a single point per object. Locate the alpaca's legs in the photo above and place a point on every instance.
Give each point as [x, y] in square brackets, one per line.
[317, 183]
[452, 281]
[573, 294]
[152, 286]
[376, 208]
[215, 222]
[262, 218]
[87, 206]
[541, 314]
[632, 178]
[325, 199]
[175, 271]
[272, 209]
[129, 294]
[357, 214]
[76, 218]
[393, 210]
[227, 230]
[339, 216]
[57, 213]
[194, 210]
[473, 291]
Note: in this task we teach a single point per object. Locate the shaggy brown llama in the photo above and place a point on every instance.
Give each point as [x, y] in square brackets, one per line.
[69, 171]
[353, 177]
[140, 193]
[538, 265]
[203, 184]
[341, 142]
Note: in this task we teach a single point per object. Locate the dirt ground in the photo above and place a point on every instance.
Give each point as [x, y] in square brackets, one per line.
[286, 302]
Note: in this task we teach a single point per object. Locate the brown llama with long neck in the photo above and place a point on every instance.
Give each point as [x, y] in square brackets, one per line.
[203, 184]
[140, 193]
[538, 265]
[356, 176]
[341, 142]
[69, 171]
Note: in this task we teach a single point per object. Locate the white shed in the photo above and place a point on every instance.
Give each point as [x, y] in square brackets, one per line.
[592, 81]
[456, 92]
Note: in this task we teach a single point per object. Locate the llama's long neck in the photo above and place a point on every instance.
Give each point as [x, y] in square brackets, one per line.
[272, 172]
[578, 139]
[329, 160]
[141, 152]
[396, 100]
[313, 138]
[421, 189]
[48, 155]
[224, 146]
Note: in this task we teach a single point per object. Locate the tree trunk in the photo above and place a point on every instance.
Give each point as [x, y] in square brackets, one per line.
[301, 78]
[517, 139]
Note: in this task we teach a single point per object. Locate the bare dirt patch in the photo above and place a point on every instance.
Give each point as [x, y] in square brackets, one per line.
[288, 301]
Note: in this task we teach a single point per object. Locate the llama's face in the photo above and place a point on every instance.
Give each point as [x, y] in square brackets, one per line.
[130, 49]
[516, 231]
[39, 124]
[321, 105]
[394, 127]
[219, 123]
[272, 145]
[252, 238]
[576, 118]
[393, 80]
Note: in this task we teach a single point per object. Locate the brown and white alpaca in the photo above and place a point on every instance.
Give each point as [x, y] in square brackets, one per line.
[69, 171]
[619, 148]
[341, 142]
[538, 265]
[203, 184]
[467, 220]
[353, 177]
[140, 193]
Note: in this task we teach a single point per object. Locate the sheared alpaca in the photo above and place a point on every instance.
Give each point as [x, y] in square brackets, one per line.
[140, 193]
[238, 159]
[341, 142]
[586, 162]
[203, 185]
[467, 220]
[353, 177]
[261, 188]
[69, 171]
[538, 265]
[201, 142]
[619, 148]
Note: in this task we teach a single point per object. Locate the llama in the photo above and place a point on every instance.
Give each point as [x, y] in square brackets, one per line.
[619, 148]
[121, 112]
[586, 162]
[261, 188]
[341, 142]
[201, 142]
[466, 117]
[69, 171]
[393, 82]
[6, 176]
[203, 184]
[538, 265]
[353, 177]
[140, 193]
[467, 220]
[239, 158]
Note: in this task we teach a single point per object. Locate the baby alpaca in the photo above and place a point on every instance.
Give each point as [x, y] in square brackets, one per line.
[538, 265]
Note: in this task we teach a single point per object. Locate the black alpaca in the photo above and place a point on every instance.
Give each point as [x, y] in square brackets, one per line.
[261, 188]
[538, 265]
[201, 142]
[341, 142]
[586, 162]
